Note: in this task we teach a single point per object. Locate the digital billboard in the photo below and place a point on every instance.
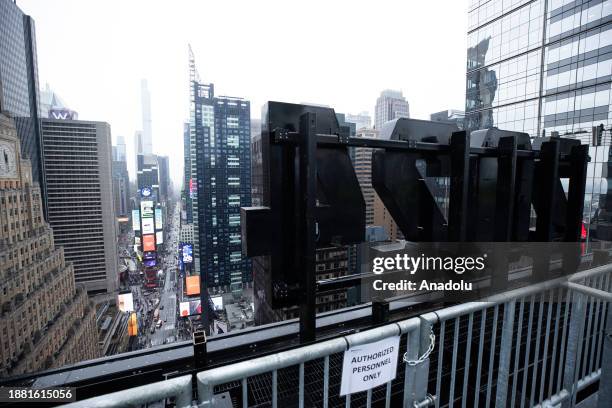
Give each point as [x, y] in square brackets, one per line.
[137, 241]
[148, 243]
[158, 219]
[146, 192]
[125, 302]
[159, 237]
[187, 253]
[190, 308]
[149, 255]
[136, 220]
[146, 209]
[192, 285]
[192, 188]
[150, 262]
[184, 309]
[133, 325]
[217, 302]
[147, 226]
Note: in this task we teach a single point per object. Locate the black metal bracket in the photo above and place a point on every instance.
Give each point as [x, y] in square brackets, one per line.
[200, 354]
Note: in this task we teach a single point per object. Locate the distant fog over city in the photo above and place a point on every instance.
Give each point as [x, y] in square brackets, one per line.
[95, 53]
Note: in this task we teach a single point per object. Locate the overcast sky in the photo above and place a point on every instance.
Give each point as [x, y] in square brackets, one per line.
[337, 53]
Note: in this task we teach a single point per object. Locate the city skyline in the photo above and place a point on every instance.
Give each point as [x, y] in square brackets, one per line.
[113, 62]
[339, 244]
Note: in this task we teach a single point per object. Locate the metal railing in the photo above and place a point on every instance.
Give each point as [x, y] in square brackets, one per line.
[273, 364]
[540, 345]
[179, 388]
[530, 344]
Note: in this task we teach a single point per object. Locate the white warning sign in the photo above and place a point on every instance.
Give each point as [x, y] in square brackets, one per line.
[369, 365]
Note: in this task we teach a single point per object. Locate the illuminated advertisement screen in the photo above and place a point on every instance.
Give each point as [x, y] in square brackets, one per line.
[136, 220]
[149, 263]
[217, 302]
[137, 241]
[146, 209]
[158, 219]
[192, 285]
[149, 255]
[133, 325]
[190, 308]
[125, 302]
[148, 243]
[187, 253]
[146, 192]
[184, 309]
[159, 237]
[147, 226]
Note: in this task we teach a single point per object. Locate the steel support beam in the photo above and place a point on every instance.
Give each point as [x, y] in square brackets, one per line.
[458, 197]
[306, 249]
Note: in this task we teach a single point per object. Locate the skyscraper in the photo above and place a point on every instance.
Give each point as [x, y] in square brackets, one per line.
[121, 194]
[138, 143]
[164, 177]
[187, 175]
[540, 67]
[362, 162]
[221, 173]
[255, 127]
[147, 128]
[53, 107]
[19, 94]
[361, 120]
[147, 173]
[449, 116]
[120, 149]
[390, 105]
[77, 160]
[383, 218]
[46, 320]
[343, 122]
[121, 179]
[505, 72]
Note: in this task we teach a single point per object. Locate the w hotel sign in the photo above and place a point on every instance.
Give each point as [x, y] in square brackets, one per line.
[63, 114]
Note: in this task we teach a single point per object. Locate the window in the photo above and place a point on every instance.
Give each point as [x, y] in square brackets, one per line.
[233, 141]
[232, 122]
[233, 200]
[234, 220]
[233, 161]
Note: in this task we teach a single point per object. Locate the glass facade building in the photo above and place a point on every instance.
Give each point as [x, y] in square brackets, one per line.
[545, 66]
[19, 93]
[220, 140]
[187, 174]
